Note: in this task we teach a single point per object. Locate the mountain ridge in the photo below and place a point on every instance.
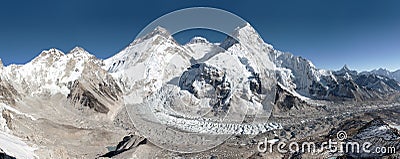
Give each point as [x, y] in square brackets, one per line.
[384, 72]
[306, 79]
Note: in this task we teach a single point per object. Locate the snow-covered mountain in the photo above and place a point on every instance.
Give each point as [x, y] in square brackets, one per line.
[300, 75]
[8, 94]
[76, 75]
[150, 62]
[214, 72]
[147, 63]
[156, 59]
[384, 72]
[237, 77]
[240, 74]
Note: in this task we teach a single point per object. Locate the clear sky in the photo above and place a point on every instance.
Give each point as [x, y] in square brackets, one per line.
[363, 34]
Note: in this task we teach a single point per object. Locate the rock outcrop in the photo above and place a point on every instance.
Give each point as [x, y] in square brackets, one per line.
[128, 143]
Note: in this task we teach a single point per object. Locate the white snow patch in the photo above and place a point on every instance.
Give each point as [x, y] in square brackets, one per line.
[395, 127]
[295, 93]
[4, 106]
[15, 147]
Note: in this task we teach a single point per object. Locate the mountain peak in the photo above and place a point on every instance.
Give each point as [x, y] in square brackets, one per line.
[346, 71]
[52, 52]
[244, 30]
[345, 68]
[383, 69]
[384, 72]
[246, 33]
[198, 39]
[160, 31]
[245, 26]
[48, 55]
[77, 50]
[1, 64]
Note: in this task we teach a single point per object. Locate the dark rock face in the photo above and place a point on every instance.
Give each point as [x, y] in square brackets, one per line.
[8, 117]
[285, 101]
[5, 156]
[95, 89]
[317, 90]
[344, 88]
[207, 82]
[255, 80]
[127, 143]
[228, 42]
[7, 92]
[94, 92]
[86, 98]
[255, 84]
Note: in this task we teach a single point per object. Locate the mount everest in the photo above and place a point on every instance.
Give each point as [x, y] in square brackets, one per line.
[58, 101]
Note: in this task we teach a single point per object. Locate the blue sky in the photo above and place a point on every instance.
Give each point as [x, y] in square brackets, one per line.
[362, 34]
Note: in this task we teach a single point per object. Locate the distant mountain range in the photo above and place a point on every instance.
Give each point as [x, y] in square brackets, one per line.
[384, 72]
